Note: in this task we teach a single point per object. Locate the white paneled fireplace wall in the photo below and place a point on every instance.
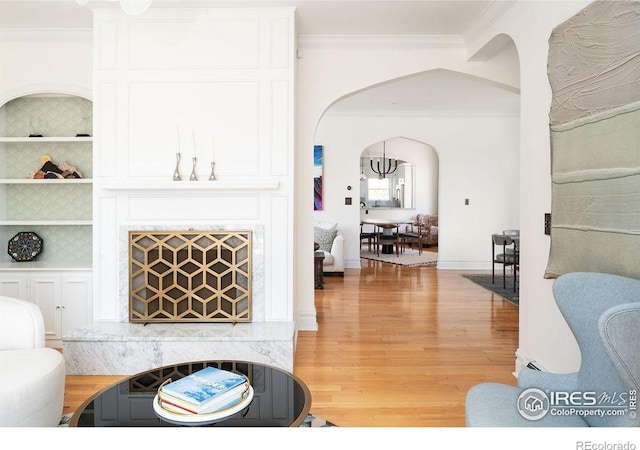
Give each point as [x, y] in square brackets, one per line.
[213, 84]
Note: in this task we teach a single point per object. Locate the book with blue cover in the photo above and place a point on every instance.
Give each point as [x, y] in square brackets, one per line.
[206, 390]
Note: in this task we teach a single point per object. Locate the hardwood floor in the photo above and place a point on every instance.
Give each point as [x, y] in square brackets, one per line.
[396, 347]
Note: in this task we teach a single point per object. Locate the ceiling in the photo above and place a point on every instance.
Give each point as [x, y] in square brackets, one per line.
[432, 91]
[361, 17]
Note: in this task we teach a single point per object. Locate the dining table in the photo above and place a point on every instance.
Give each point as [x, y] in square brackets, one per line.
[387, 226]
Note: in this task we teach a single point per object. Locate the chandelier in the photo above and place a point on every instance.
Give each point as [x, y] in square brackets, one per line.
[386, 164]
[131, 7]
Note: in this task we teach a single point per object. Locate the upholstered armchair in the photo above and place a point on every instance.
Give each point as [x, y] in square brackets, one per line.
[428, 226]
[603, 314]
[32, 376]
[620, 332]
[331, 242]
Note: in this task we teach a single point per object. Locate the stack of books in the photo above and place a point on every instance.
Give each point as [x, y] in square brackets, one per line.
[206, 391]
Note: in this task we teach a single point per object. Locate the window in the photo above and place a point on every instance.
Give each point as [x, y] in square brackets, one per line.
[378, 189]
[395, 190]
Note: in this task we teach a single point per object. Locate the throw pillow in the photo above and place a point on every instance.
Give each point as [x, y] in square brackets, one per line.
[325, 225]
[324, 238]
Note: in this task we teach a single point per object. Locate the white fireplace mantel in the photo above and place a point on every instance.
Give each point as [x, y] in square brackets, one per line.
[256, 184]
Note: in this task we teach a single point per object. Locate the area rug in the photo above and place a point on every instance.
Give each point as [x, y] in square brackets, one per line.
[408, 258]
[485, 281]
[310, 421]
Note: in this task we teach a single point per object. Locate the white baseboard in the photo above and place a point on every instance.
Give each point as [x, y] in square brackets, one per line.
[352, 264]
[522, 360]
[463, 265]
[307, 320]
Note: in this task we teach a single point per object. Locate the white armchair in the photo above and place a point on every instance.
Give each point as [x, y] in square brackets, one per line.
[331, 242]
[32, 376]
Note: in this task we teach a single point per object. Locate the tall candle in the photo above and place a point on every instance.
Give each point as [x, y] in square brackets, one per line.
[213, 150]
[193, 133]
[178, 134]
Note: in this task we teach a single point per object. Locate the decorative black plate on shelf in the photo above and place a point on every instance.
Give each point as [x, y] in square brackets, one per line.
[25, 246]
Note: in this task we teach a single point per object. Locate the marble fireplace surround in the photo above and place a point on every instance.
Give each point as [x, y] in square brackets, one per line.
[125, 348]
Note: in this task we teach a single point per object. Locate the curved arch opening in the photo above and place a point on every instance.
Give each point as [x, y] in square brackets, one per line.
[407, 93]
[466, 121]
[45, 89]
[402, 159]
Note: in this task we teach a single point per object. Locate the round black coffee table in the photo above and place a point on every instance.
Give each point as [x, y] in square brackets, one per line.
[280, 399]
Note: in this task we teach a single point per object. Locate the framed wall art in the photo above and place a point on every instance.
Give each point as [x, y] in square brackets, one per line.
[317, 177]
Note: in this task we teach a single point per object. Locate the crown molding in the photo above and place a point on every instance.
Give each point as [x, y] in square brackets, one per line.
[47, 35]
[486, 19]
[333, 41]
[419, 113]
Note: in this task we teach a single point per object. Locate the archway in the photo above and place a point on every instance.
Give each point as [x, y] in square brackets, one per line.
[467, 137]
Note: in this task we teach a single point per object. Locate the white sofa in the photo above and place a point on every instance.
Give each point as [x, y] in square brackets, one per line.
[333, 263]
[32, 376]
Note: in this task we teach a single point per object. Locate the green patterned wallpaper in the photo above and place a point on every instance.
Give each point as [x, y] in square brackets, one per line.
[51, 116]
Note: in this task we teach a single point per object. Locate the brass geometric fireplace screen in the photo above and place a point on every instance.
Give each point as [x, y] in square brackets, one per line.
[190, 276]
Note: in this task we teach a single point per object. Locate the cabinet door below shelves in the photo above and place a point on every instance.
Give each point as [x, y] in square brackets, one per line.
[13, 285]
[64, 298]
[76, 298]
[45, 292]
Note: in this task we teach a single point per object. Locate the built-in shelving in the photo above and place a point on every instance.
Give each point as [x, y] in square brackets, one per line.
[59, 210]
[46, 223]
[46, 181]
[36, 266]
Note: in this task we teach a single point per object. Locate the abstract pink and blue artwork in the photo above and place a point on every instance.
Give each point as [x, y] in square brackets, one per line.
[317, 177]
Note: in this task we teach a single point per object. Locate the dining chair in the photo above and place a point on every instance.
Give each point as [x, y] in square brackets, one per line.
[368, 234]
[508, 257]
[388, 235]
[412, 238]
[514, 234]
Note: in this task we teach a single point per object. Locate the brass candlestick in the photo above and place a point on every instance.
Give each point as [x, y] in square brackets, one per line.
[194, 176]
[212, 177]
[176, 173]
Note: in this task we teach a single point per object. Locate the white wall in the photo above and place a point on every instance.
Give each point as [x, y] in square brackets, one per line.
[39, 61]
[478, 160]
[544, 335]
[328, 73]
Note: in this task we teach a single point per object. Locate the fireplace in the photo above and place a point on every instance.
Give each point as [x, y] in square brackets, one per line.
[190, 276]
[241, 98]
[98, 348]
